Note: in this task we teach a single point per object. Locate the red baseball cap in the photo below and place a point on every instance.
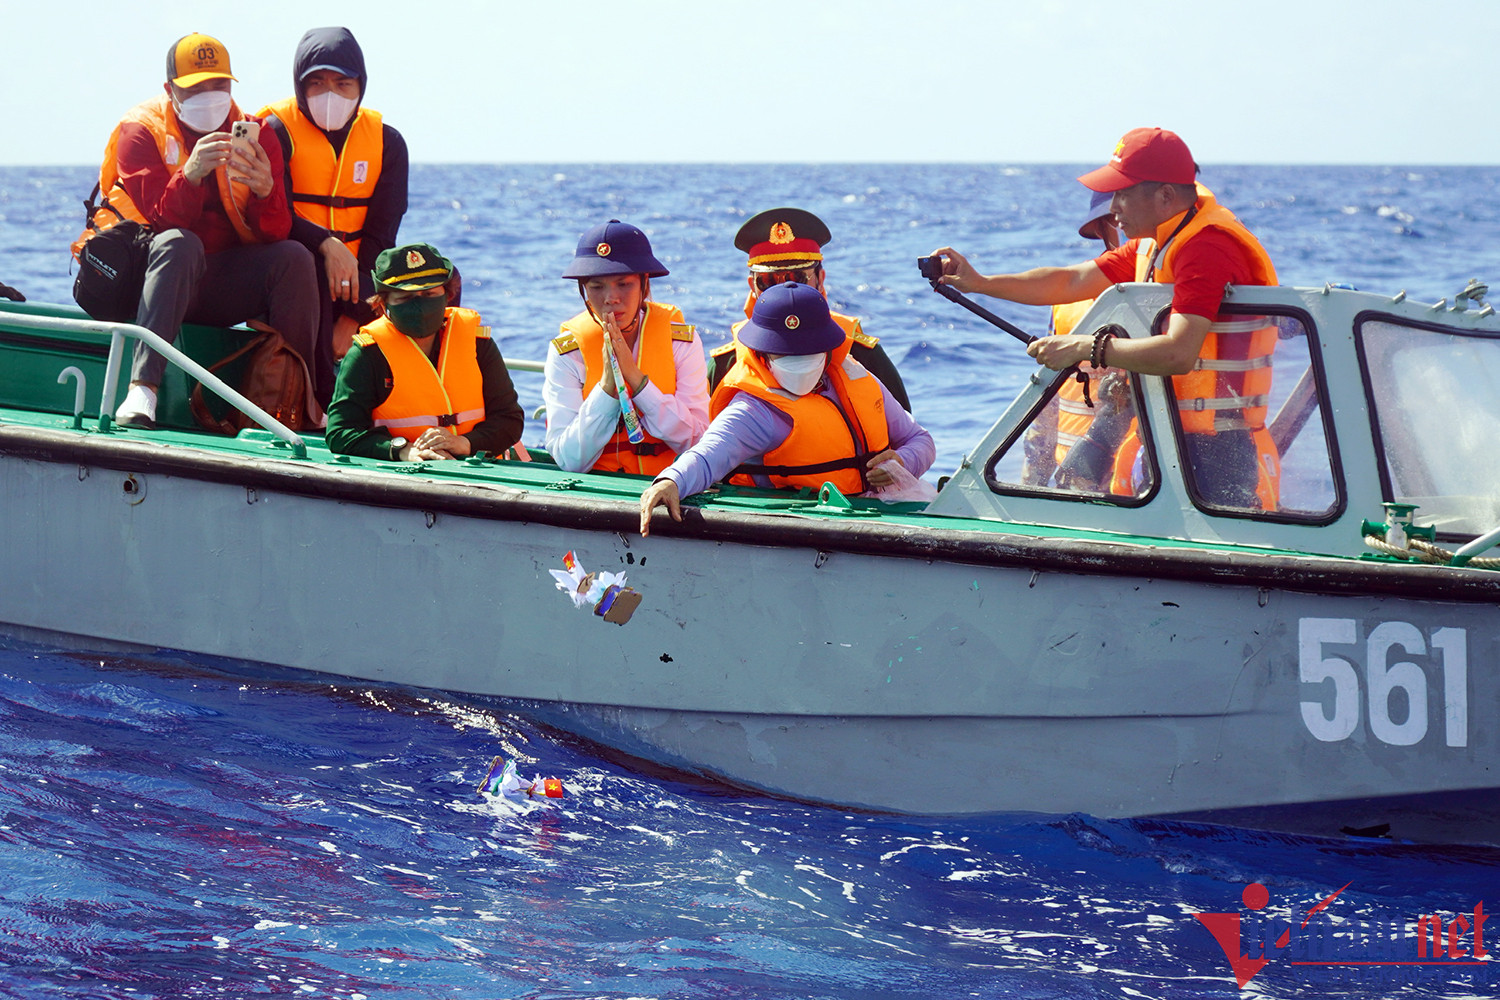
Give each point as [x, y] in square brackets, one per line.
[1144, 154]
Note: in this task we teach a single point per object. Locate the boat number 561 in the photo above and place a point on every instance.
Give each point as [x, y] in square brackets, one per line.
[1399, 721]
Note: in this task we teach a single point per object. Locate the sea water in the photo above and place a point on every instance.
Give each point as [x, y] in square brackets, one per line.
[179, 827]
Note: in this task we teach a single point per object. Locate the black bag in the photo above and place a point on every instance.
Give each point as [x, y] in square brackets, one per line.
[112, 266]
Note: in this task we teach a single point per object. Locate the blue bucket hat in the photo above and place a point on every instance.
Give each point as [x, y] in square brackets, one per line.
[614, 248]
[1098, 209]
[791, 318]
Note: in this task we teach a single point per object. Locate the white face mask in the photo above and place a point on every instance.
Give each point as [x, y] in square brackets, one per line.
[330, 110]
[204, 112]
[799, 373]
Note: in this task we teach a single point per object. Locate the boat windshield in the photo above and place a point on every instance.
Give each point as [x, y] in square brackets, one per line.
[1082, 448]
[1260, 449]
[1435, 394]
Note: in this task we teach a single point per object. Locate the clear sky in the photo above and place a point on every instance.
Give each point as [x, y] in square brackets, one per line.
[1256, 81]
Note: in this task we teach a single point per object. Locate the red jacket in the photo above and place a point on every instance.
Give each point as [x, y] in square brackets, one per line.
[170, 201]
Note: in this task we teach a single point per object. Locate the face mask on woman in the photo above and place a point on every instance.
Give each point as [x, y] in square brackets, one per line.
[204, 112]
[798, 374]
[331, 110]
[418, 317]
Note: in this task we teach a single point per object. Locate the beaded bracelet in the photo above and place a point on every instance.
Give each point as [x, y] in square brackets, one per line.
[1101, 341]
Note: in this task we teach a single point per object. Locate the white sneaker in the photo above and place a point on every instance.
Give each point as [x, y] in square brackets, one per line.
[138, 408]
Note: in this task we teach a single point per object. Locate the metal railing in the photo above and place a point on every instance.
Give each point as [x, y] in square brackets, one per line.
[118, 332]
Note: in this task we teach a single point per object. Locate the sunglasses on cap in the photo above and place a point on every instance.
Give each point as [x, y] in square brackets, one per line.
[802, 275]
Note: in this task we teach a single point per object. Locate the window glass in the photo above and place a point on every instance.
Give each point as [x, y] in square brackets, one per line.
[1436, 399]
[1251, 421]
[1074, 449]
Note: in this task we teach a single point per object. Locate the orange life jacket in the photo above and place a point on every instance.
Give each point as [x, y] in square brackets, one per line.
[450, 395]
[333, 191]
[1074, 416]
[829, 442]
[663, 325]
[1230, 384]
[1267, 467]
[157, 117]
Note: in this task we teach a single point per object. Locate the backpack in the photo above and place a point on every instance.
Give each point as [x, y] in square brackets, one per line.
[275, 379]
[111, 265]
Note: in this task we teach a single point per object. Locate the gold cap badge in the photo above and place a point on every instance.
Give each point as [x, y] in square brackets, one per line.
[414, 259]
[792, 322]
[782, 233]
[602, 250]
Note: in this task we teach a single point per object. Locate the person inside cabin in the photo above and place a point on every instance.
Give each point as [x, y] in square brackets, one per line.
[220, 213]
[346, 170]
[1220, 366]
[786, 244]
[658, 355]
[1063, 424]
[795, 410]
[423, 381]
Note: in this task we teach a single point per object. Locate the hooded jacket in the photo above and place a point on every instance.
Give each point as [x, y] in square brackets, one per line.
[336, 48]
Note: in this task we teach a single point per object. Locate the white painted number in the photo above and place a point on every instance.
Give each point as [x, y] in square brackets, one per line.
[1382, 680]
[1315, 668]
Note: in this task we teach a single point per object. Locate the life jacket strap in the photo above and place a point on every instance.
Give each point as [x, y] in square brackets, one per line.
[331, 200]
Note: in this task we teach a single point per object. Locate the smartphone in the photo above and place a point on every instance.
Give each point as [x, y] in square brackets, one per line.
[244, 134]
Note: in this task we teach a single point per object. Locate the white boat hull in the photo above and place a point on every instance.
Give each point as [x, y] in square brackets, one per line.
[1029, 677]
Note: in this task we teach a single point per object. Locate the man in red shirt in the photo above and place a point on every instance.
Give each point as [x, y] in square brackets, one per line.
[1177, 233]
[219, 210]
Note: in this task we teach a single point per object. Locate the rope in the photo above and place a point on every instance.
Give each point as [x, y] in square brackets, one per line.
[1426, 552]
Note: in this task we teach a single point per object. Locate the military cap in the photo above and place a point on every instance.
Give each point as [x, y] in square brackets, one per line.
[782, 238]
[411, 268]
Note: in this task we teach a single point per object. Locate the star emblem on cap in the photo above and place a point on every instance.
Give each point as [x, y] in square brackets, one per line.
[782, 233]
[602, 249]
[792, 322]
[415, 259]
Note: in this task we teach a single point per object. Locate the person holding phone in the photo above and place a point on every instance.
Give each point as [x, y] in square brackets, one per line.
[219, 211]
[626, 386]
[346, 170]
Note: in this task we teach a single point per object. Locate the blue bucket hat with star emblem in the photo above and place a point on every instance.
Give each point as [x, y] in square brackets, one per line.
[614, 248]
[791, 318]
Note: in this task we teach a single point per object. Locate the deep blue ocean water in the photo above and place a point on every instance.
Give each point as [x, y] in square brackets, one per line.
[172, 827]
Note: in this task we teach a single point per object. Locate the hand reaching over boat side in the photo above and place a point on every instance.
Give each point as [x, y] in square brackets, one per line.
[663, 491]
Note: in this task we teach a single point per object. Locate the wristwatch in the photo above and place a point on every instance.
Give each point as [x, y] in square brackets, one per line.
[397, 443]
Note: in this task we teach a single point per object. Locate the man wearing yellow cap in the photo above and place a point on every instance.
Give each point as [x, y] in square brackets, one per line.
[219, 211]
[786, 244]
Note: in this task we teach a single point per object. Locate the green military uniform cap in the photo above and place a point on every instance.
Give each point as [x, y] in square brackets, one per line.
[411, 268]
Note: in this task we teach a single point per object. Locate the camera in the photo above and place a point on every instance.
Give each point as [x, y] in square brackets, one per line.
[931, 267]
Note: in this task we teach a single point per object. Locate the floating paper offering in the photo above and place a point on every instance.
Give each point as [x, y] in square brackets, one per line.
[503, 781]
[606, 593]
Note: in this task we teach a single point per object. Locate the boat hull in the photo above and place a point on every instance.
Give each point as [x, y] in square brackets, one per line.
[902, 669]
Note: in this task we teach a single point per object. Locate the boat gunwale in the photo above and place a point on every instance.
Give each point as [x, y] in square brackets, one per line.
[1155, 559]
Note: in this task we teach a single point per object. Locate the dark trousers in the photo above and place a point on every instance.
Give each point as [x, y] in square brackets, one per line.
[1224, 467]
[270, 282]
